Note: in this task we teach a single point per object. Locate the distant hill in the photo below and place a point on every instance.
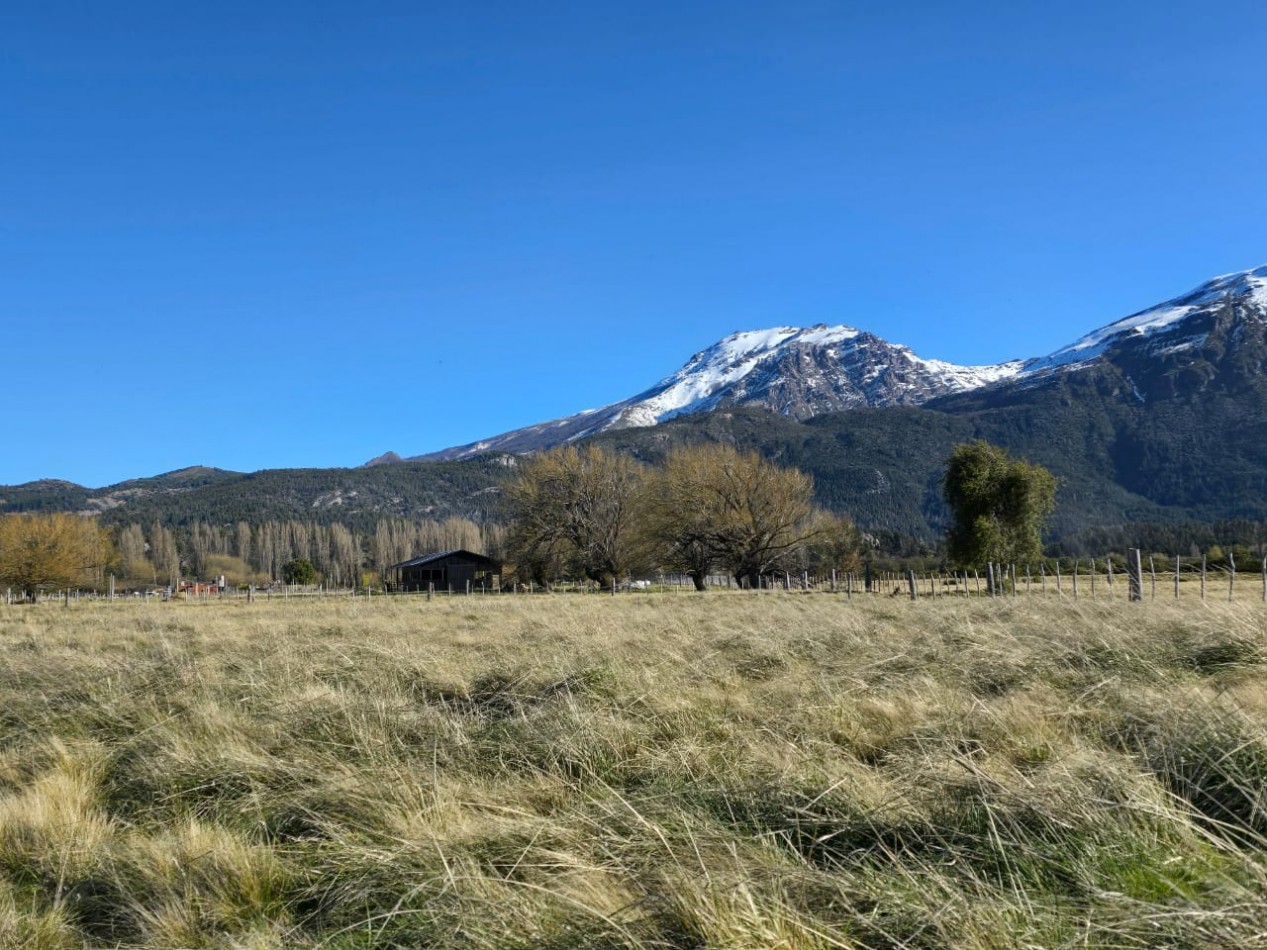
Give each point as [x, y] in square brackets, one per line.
[352, 496]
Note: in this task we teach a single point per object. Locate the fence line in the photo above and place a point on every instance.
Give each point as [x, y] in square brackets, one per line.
[1089, 579]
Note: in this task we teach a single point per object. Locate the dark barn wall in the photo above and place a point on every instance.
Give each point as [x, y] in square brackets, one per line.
[450, 572]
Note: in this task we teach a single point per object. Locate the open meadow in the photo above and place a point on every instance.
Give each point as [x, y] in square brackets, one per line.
[724, 770]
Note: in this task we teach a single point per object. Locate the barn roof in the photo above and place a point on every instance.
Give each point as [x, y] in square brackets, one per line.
[442, 555]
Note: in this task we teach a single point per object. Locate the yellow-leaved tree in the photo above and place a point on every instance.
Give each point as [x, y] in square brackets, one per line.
[49, 552]
[576, 508]
[712, 506]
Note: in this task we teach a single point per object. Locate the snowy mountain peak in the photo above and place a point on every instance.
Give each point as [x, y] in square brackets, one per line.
[707, 374]
[796, 371]
[750, 344]
[1250, 283]
[1244, 287]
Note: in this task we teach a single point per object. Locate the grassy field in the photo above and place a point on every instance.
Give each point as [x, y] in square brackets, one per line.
[721, 770]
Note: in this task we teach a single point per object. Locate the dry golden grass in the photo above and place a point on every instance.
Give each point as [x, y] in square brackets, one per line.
[719, 770]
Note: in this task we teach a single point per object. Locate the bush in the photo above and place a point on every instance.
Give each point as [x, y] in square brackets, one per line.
[299, 571]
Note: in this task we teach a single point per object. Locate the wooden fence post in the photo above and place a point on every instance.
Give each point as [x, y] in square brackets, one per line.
[1152, 573]
[1231, 576]
[1134, 575]
[1093, 578]
[910, 580]
[1178, 565]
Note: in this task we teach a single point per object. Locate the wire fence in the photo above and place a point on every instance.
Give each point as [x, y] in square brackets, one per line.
[1073, 579]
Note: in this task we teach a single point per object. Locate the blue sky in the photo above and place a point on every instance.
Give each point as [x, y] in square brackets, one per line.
[301, 234]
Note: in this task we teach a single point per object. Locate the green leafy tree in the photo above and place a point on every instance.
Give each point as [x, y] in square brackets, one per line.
[998, 505]
[299, 571]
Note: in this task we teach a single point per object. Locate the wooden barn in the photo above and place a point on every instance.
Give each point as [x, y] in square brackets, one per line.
[447, 570]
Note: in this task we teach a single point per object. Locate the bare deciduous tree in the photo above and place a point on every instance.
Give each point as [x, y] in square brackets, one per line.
[712, 506]
[163, 554]
[577, 504]
[133, 563]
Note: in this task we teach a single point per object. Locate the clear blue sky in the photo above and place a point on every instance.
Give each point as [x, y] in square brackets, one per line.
[260, 235]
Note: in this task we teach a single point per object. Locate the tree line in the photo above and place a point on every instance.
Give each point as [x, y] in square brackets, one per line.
[590, 513]
[54, 551]
[594, 514]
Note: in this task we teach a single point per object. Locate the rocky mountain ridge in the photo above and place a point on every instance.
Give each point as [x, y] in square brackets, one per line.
[802, 372]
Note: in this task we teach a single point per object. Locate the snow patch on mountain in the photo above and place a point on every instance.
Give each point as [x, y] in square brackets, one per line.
[832, 364]
[694, 387]
[971, 377]
[1248, 286]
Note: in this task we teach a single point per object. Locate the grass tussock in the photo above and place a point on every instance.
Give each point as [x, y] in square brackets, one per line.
[720, 771]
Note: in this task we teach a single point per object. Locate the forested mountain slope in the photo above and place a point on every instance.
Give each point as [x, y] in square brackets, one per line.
[352, 496]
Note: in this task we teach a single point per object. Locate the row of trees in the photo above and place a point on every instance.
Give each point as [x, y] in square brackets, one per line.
[597, 514]
[54, 551]
[573, 513]
[588, 512]
[1245, 540]
[246, 553]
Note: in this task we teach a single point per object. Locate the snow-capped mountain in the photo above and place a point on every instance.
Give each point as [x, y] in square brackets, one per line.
[801, 372]
[796, 371]
[1244, 291]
